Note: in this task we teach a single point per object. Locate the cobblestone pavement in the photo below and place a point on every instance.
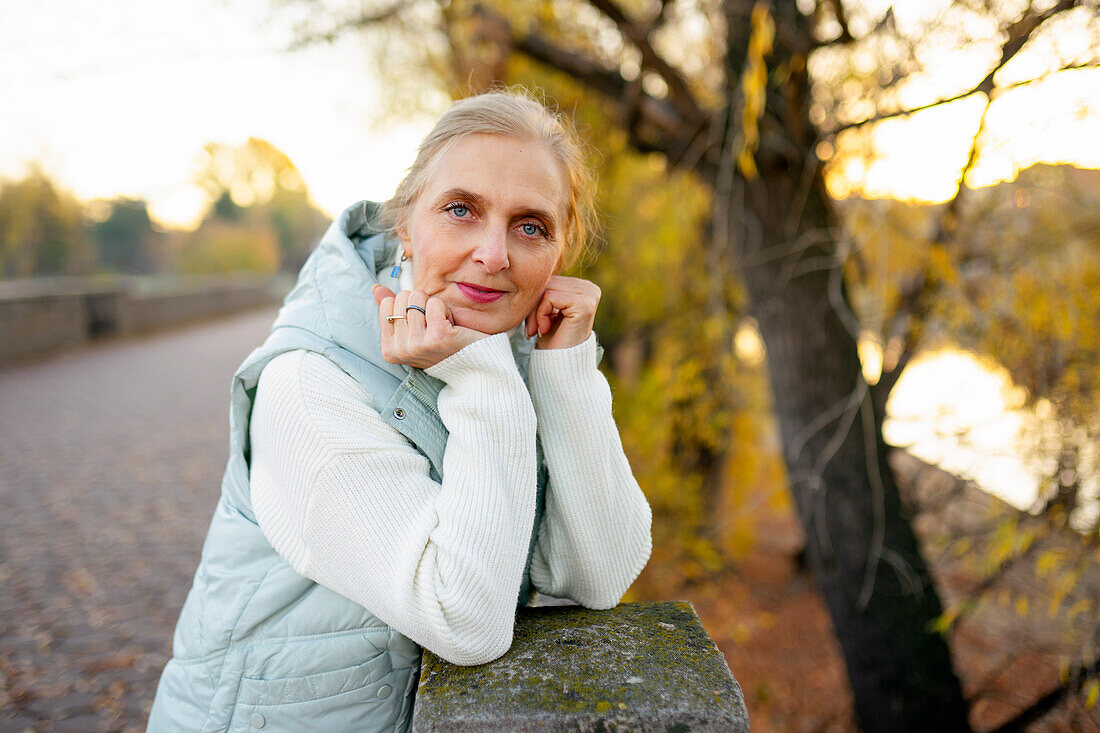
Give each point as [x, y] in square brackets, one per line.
[110, 465]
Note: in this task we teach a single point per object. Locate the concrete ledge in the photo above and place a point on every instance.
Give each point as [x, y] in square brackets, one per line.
[637, 667]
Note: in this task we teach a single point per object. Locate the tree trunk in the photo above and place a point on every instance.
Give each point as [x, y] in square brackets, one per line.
[859, 544]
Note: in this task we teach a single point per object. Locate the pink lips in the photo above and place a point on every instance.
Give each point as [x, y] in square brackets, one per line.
[479, 294]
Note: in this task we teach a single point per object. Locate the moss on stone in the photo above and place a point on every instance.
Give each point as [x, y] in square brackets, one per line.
[637, 667]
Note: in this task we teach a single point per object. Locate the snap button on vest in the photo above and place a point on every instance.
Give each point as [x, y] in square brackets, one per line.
[257, 721]
[384, 692]
[399, 413]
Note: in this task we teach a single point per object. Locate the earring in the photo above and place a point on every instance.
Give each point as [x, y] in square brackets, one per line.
[396, 271]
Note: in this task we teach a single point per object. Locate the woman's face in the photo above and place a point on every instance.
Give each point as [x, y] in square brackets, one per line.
[486, 234]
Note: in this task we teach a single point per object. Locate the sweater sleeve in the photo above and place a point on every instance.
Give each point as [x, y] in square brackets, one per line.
[349, 503]
[595, 536]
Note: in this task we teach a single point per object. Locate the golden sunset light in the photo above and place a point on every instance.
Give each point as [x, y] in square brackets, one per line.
[810, 402]
[118, 98]
[919, 157]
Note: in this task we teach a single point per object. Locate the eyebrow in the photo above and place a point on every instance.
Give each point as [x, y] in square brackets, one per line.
[479, 201]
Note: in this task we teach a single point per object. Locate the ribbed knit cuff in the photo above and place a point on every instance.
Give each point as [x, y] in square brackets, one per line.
[490, 354]
[563, 370]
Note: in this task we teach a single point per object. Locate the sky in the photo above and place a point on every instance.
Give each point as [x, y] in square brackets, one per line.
[1053, 121]
[118, 97]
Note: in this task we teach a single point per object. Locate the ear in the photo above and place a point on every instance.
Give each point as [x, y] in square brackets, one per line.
[401, 229]
[405, 252]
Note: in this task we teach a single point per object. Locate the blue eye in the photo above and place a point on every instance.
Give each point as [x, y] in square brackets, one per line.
[459, 210]
[534, 229]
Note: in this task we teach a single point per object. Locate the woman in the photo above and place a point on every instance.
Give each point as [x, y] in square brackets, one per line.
[404, 466]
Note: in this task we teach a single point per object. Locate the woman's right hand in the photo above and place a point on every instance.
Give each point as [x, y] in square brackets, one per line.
[420, 339]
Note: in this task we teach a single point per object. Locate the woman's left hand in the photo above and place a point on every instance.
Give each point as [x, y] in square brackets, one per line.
[564, 315]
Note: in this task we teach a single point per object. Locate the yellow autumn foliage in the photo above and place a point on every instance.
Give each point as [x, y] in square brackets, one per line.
[224, 247]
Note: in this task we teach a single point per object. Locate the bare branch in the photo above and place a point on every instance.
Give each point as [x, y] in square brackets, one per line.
[601, 79]
[657, 124]
[917, 295]
[678, 87]
[347, 25]
[1019, 33]
[962, 95]
[662, 15]
[915, 298]
[887, 22]
[837, 6]
[1016, 37]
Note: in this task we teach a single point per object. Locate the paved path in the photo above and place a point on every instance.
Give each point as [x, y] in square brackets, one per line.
[110, 464]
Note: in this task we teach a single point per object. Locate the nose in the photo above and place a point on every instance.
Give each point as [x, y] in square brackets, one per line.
[492, 251]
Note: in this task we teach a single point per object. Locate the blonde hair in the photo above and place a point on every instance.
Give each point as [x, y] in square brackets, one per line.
[514, 113]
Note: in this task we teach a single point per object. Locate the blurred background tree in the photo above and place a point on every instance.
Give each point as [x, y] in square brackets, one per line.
[254, 187]
[1008, 272]
[227, 247]
[125, 238]
[41, 230]
[260, 219]
[767, 104]
[1021, 292]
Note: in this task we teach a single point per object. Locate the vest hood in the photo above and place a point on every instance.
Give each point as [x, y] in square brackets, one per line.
[332, 299]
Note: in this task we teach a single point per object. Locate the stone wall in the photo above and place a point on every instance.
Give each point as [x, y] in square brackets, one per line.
[40, 317]
[637, 667]
[41, 324]
[149, 311]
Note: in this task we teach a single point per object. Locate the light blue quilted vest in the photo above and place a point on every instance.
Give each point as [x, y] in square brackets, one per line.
[257, 646]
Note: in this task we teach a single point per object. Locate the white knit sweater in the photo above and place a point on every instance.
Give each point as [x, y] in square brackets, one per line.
[349, 503]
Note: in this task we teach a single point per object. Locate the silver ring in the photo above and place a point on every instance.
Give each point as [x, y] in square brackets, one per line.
[416, 308]
[391, 319]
